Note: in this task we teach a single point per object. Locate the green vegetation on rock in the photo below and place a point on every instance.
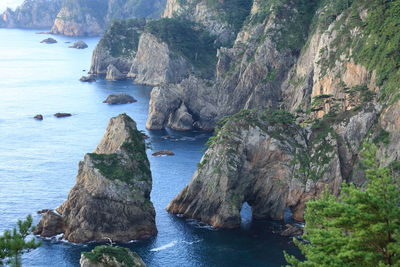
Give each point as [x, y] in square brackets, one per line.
[123, 256]
[122, 37]
[115, 167]
[187, 39]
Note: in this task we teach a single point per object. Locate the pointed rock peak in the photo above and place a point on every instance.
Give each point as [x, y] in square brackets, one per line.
[111, 197]
[121, 129]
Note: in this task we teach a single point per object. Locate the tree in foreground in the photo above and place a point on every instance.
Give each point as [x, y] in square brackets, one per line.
[13, 243]
[360, 227]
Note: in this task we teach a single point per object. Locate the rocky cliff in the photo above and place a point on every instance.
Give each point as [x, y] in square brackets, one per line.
[333, 65]
[78, 17]
[91, 18]
[31, 14]
[111, 197]
[118, 46]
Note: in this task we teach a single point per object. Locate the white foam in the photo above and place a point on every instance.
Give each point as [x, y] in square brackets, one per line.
[169, 245]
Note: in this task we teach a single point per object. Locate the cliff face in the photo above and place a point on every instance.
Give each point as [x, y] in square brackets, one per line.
[117, 47]
[90, 18]
[333, 67]
[155, 63]
[111, 197]
[31, 14]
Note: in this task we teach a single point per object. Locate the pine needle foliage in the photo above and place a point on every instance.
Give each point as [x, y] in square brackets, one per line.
[359, 228]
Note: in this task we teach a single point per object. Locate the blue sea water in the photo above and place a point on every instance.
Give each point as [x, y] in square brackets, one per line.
[39, 159]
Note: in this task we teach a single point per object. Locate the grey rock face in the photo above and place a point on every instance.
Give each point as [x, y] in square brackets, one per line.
[111, 198]
[155, 64]
[113, 74]
[118, 99]
[181, 120]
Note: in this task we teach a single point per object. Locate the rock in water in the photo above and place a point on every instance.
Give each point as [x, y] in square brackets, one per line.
[256, 159]
[163, 153]
[79, 45]
[111, 197]
[113, 74]
[38, 117]
[103, 256]
[119, 99]
[62, 115]
[87, 79]
[49, 41]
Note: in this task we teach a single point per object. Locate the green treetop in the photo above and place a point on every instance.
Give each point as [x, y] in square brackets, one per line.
[360, 228]
[13, 243]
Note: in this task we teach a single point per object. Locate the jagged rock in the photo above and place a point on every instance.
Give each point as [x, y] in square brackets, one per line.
[181, 120]
[62, 115]
[106, 256]
[118, 46]
[49, 41]
[119, 99]
[50, 225]
[163, 153]
[113, 74]
[203, 13]
[166, 100]
[33, 14]
[111, 197]
[79, 45]
[38, 117]
[155, 64]
[89, 78]
[292, 231]
[162, 104]
[83, 18]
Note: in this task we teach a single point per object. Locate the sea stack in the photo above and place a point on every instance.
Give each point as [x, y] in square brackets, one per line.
[111, 197]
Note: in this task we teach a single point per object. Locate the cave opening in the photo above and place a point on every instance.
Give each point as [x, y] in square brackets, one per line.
[246, 215]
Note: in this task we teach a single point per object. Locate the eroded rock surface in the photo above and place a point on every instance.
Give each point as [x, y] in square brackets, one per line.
[111, 197]
[107, 256]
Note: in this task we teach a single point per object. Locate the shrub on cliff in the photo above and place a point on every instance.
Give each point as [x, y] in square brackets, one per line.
[360, 228]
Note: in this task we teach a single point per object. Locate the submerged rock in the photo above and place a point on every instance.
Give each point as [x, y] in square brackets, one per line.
[119, 99]
[38, 117]
[79, 45]
[113, 74]
[103, 256]
[89, 78]
[111, 197]
[62, 115]
[163, 153]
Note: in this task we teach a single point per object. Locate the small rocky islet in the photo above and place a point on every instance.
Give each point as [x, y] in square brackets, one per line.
[118, 99]
[111, 198]
[79, 45]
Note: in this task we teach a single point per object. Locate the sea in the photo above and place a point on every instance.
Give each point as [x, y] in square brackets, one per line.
[39, 159]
